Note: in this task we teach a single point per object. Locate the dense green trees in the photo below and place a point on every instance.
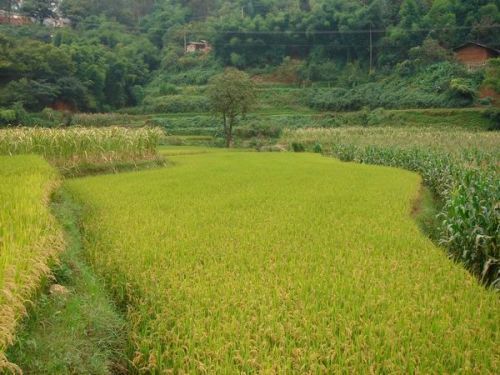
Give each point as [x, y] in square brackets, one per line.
[38, 9]
[117, 47]
[93, 69]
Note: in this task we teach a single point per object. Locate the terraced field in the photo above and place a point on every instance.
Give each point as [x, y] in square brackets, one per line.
[236, 261]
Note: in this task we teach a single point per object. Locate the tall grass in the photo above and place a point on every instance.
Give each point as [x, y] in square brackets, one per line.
[238, 262]
[74, 147]
[29, 238]
[461, 169]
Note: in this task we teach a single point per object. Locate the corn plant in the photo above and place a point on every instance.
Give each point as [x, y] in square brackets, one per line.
[69, 148]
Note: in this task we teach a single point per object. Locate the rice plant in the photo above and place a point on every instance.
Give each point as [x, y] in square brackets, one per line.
[29, 238]
[461, 168]
[237, 262]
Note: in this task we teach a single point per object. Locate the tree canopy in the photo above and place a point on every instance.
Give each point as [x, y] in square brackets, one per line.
[231, 94]
[114, 48]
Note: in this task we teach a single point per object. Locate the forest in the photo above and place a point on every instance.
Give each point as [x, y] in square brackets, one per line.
[117, 53]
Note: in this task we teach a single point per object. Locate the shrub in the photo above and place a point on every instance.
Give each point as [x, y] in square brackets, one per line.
[439, 85]
[288, 71]
[101, 119]
[492, 74]
[298, 147]
[7, 116]
[176, 104]
[51, 115]
[258, 130]
[318, 149]
[168, 89]
[463, 88]
[494, 115]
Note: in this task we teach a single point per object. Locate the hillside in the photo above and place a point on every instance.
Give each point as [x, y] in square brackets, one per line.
[123, 53]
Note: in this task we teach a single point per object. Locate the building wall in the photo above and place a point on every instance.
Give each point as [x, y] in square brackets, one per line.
[194, 47]
[473, 55]
[13, 19]
[191, 48]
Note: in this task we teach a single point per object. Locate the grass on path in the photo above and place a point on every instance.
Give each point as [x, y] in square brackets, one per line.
[72, 329]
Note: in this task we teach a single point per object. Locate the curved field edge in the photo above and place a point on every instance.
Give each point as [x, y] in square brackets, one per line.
[460, 169]
[266, 262]
[30, 238]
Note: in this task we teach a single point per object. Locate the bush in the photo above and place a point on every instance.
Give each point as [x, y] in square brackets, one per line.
[492, 75]
[51, 115]
[494, 115]
[168, 89]
[176, 104]
[7, 116]
[318, 149]
[100, 119]
[463, 88]
[259, 131]
[486, 101]
[441, 85]
[298, 147]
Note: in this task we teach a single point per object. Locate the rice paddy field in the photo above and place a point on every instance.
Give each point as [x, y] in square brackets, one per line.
[282, 263]
[30, 238]
[460, 168]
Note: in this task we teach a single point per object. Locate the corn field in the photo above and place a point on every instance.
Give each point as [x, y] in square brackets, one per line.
[461, 169]
[73, 147]
[29, 238]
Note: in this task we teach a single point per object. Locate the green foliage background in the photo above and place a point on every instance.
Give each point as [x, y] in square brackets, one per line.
[119, 52]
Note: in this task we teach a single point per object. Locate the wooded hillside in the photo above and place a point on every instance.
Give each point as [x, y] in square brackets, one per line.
[115, 50]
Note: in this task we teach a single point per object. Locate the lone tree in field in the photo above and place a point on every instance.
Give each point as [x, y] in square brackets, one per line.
[231, 94]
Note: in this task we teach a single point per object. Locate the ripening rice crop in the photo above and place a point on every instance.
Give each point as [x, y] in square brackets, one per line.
[29, 237]
[282, 263]
[461, 169]
[69, 148]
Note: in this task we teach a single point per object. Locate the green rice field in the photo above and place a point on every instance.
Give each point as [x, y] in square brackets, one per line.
[30, 239]
[230, 262]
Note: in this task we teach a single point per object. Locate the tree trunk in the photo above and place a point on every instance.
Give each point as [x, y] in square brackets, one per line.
[229, 133]
[226, 131]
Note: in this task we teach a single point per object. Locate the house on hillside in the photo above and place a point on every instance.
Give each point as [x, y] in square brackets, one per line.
[8, 18]
[201, 46]
[475, 55]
